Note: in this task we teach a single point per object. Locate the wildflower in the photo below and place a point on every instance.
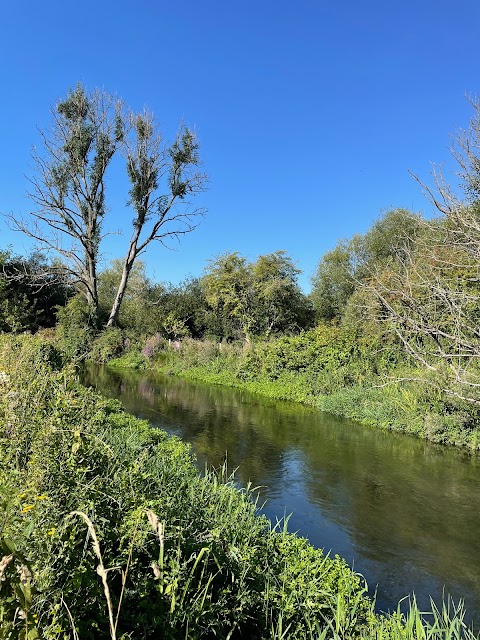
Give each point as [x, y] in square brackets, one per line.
[22, 495]
[42, 497]
[51, 531]
[27, 508]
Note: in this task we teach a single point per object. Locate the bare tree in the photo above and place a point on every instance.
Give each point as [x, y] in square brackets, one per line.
[429, 295]
[158, 216]
[88, 130]
[69, 186]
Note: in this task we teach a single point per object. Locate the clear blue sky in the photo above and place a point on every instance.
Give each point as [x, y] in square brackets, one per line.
[309, 113]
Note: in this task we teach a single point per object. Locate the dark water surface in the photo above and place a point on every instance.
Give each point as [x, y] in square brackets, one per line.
[404, 513]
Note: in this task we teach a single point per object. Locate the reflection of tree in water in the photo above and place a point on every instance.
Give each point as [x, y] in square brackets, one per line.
[405, 504]
[147, 391]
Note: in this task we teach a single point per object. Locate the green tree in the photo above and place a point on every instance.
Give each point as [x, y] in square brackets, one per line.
[183, 306]
[341, 271]
[334, 280]
[254, 299]
[230, 294]
[280, 306]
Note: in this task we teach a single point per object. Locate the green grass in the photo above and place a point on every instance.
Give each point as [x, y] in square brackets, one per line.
[347, 382]
[108, 531]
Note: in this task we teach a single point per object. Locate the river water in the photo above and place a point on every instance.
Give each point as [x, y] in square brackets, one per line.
[403, 512]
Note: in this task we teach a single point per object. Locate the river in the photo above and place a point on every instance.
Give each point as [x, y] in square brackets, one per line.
[403, 512]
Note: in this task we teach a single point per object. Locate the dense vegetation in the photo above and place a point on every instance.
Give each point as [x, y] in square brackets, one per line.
[108, 531]
[346, 348]
[388, 336]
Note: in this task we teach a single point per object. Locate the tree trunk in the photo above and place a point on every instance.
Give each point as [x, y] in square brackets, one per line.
[113, 318]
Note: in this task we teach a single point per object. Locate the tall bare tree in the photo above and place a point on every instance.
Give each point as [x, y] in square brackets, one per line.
[69, 188]
[158, 216]
[69, 185]
[429, 295]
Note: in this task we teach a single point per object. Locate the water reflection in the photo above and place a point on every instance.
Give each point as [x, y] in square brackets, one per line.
[404, 512]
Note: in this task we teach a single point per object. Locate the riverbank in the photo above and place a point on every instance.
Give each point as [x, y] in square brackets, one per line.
[332, 371]
[168, 551]
[190, 546]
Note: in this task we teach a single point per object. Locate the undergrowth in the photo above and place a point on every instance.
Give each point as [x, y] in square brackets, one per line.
[353, 377]
[108, 531]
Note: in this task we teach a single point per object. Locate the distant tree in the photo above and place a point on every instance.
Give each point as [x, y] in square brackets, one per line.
[341, 271]
[281, 306]
[390, 237]
[254, 299]
[229, 292]
[183, 309]
[334, 281]
[27, 300]
[69, 187]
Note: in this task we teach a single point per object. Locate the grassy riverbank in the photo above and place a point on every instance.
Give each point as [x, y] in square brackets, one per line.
[108, 531]
[361, 378]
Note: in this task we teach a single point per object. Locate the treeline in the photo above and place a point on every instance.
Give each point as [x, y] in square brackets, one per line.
[233, 300]
[410, 286]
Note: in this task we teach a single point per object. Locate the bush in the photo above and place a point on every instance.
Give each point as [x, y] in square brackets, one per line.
[153, 346]
[107, 345]
[74, 329]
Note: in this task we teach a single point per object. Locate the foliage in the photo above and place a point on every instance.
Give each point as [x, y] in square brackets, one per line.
[153, 345]
[341, 272]
[107, 345]
[334, 281]
[28, 301]
[74, 330]
[336, 369]
[253, 299]
[207, 563]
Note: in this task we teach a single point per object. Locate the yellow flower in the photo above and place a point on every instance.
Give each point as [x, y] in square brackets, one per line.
[42, 497]
[22, 495]
[51, 532]
[27, 508]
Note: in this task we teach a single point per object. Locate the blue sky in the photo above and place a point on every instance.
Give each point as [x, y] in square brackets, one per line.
[309, 114]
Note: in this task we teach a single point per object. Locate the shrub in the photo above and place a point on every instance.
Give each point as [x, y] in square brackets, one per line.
[74, 329]
[107, 345]
[153, 346]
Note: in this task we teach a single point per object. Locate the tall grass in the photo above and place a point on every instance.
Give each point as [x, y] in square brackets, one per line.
[152, 549]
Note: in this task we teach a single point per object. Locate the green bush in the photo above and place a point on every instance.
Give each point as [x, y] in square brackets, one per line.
[107, 345]
[74, 329]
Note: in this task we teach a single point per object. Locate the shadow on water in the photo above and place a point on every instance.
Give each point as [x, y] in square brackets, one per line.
[404, 512]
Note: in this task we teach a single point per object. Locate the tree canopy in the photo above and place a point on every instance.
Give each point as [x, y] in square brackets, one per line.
[253, 299]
